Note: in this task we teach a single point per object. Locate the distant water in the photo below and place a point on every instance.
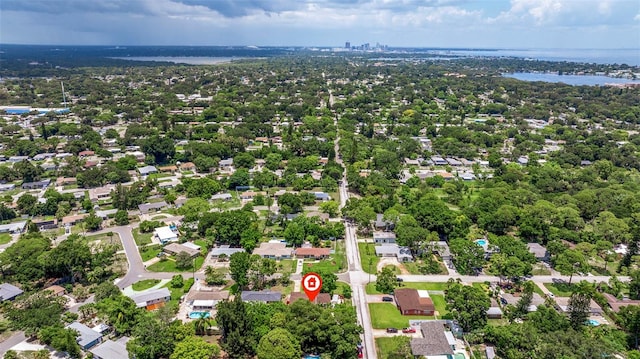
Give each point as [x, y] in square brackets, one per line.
[608, 56]
[574, 80]
[188, 60]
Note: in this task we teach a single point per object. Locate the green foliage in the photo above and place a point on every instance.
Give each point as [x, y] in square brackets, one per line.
[467, 255]
[278, 344]
[122, 217]
[38, 310]
[386, 280]
[468, 305]
[195, 348]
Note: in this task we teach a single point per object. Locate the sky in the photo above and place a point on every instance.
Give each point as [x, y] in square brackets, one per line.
[513, 24]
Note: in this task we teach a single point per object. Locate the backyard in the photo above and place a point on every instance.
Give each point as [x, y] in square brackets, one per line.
[336, 264]
[386, 315]
[560, 289]
[148, 252]
[390, 345]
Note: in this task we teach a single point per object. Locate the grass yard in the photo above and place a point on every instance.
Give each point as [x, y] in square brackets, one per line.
[141, 238]
[386, 315]
[371, 287]
[287, 266]
[169, 265]
[560, 289]
[148, 252]
[337, 263]
[340, 288]
[390, 345]
[5, 238]
[144, 284]
[368, 253]
[414, 267]
[177, 293]
[439, 303]
[105, 238]
[284, 290]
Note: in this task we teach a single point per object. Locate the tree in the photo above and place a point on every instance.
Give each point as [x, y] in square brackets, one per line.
[195, 348]
[106, 290]
[569, 262]
[522, 306]
[121, 217]
[329, 282]
[294, 234]
[239, 178]
[11, 354]
[468, 305]
[629, 319]
[183, 260]
[61, 339]
[634, 285]
[238, 333]
[278, 344]
[214, 276]
[26, 203]
[92, 222]
[386, 280]
[467, 255]
[36, 311]
[330, 207]
[160, 148]
[239, 265]
[579, 308]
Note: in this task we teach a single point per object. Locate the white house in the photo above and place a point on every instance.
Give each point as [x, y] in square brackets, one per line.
[165, 234]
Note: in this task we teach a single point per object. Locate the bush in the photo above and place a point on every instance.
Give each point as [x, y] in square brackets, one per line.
[177, 281]
[149, 226]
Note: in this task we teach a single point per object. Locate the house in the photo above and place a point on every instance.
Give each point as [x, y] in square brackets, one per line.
[262, 296]
[56, 290]
[436, 341]
[248, 195]
[562, 304]
[226, 164]
[321, 298]
[165, 234]
[403, 254]
[106, 213]
[44, 224]
[100, 193]
[616, 303]
[538, 251]
[187, 166]
[169, 184]
[151, 299]
[206, 300]
[73, 219]
[414, 302]
[381, 224]
[64, 181]
[494, 311]
[87, 337]
[147, 170]
[175, 248]
[17, 227]
[9, 292]
[16, 159]
[384, 237]
[111, 350]
[536, 300]
[168, 169]
[321, 196]
[313, 253]
[222, 196]
[274, 250]
[87, 153]
[7, 187]
[43, 156]
[224, 250]
[439, 161]
[152, 207]
[36, 185]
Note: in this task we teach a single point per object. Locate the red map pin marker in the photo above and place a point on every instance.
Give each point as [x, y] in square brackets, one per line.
[312, 283]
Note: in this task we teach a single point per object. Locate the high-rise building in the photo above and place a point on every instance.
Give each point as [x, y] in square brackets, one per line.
[347, 45]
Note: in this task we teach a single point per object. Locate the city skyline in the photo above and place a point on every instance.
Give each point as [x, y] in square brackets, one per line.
[402, 23]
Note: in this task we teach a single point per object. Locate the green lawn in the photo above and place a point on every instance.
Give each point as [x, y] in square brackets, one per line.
[560, 289]
[336, 264]
[386, 315]
[148, 252]
[439, 303]
[177, 293]
[169, 265]
[5, 238]
[368, 253]
[287, 265]
[282, 289]
[141, 238]
[414, 267]
[390, 345]
[107, 239]
[340, 288]
[145, 284]
[371, 287]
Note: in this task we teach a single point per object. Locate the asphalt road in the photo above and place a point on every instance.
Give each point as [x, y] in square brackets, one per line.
[12, 341]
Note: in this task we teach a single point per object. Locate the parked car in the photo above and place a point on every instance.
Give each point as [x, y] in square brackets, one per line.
[392, 330]
[409, 330]
[387, 299]
[399, 279]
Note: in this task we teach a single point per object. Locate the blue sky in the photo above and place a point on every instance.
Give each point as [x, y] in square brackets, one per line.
[428, 23]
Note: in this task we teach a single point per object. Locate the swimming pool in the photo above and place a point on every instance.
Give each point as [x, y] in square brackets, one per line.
[198, 315]
[481, 242]
[593, 322]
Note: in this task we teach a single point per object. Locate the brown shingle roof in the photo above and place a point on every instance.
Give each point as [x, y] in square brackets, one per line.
[322, 298]
[616, 303]
[316, 252]
[408, 299]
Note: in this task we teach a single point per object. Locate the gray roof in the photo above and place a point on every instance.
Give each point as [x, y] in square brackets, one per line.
[221, 196]
[147, 169]
[86, 335]
[434, 341]
[110, 350]
[145, 207]
[13, 227]
[150, 295]
[225, 250]
[264, 296]
[491, 353]
[443, 249]
[537, 249]
[9, 291]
